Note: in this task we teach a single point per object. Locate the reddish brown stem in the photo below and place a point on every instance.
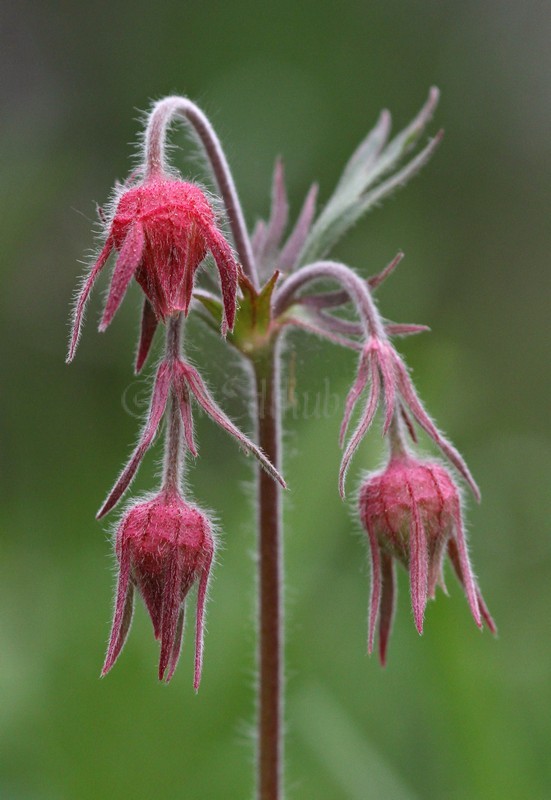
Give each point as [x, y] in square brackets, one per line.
[270, 552]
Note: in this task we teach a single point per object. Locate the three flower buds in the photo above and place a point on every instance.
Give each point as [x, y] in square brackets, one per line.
[162, 229]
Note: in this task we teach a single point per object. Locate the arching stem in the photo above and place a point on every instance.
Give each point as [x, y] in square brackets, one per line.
[155, 139]
[356, 287]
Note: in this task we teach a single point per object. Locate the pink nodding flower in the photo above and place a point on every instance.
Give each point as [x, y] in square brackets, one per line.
[162, 229]
[163, 547]
[412, 512]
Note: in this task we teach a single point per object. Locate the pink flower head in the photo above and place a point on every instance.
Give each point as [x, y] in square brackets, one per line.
[412, 512]
[163, 547]
[162, 229]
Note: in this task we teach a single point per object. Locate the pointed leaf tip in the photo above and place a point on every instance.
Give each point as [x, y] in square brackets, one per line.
[380, 277]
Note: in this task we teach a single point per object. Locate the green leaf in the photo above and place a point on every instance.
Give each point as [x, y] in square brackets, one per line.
[367, 166]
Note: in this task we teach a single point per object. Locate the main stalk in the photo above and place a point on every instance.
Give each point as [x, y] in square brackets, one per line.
[270, 585]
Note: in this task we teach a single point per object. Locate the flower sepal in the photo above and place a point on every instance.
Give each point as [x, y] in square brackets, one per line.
[254, 323]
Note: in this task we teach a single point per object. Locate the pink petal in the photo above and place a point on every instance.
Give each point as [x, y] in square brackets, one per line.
[388, 605]
[185, 283]
[436, 558]
[123, 612]
[127, 263]
[375, 594]
[228, 271]
[418, 564]
[384, 363]
[156, 411]
[408, 423]
[290, 253]
[485, 613]
[203, 397]
[151, 589]
[361, 430]
[364, 369]
[147, 331]
[171, 606]
[83, 297]
[407, 390]
[177, 644]
[454, 558]
[200, 621]
[182, 395]
[468, 580]
[438, 542]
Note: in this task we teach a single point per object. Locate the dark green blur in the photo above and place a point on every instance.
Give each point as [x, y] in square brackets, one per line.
[456, 715]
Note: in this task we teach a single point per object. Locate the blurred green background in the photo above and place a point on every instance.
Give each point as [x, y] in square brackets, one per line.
[456, 715]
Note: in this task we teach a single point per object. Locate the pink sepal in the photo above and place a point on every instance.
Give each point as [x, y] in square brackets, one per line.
[156, 410]
[84, 294]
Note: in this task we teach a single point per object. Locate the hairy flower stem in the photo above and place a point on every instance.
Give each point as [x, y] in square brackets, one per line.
[174, 458]
[356, 288]
[163, 113]
[270, 586]
[398, 445]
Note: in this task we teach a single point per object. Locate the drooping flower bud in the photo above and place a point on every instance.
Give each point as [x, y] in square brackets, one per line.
[178, 227]
[412, 512]
[163, 229]
[163, 547]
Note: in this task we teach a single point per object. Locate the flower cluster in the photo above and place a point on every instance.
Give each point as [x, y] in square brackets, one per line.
[162, 229]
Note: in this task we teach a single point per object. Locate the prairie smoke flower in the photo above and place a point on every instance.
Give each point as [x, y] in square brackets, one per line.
[163, 547]
[162, 229]
[412, 512]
